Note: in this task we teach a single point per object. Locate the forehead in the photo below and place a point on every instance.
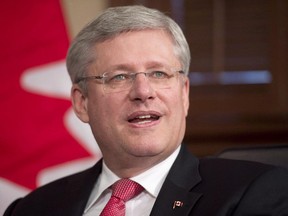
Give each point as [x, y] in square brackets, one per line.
[136, 48]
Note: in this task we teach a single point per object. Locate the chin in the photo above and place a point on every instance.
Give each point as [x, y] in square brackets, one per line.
[147, 150]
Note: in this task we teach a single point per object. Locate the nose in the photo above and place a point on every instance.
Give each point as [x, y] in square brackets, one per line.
[141, 89]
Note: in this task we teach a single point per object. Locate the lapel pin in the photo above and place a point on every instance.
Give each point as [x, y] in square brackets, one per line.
[177, 204]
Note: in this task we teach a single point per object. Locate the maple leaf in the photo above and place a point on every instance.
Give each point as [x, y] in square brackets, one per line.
[40, 136]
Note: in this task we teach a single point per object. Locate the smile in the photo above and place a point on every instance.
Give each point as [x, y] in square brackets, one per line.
[143, 119]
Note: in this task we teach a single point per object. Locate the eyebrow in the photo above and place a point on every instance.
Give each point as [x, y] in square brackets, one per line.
[129, 67]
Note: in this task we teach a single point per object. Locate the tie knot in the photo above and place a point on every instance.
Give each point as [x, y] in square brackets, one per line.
[126, 189]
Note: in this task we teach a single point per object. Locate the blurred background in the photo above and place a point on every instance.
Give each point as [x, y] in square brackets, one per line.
[238, 75]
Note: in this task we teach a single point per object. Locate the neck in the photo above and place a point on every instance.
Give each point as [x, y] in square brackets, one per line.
[133, 166]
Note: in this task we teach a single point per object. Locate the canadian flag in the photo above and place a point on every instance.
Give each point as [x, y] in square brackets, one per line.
[41, 139]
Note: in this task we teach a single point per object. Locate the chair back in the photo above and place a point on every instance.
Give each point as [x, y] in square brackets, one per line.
[274, 154]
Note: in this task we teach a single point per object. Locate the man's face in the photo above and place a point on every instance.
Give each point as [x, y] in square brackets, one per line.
[141, 122]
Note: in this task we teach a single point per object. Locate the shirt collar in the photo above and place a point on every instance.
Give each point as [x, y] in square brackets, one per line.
[151, 180]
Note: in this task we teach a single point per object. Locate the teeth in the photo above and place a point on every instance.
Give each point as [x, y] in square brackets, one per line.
[143, 122]
[144, 117]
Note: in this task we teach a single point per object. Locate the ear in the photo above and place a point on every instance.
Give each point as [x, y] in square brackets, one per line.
[186, 99]
[79, 102]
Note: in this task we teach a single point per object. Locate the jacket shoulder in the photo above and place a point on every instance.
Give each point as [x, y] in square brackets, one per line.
[63, 195]
[237, 168]
[229, 175]
[230, 186]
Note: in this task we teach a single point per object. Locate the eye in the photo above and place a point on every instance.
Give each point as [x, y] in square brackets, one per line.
[159, 75]
[117, 77]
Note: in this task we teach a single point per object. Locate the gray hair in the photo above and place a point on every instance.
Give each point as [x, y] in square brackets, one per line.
[114, 21]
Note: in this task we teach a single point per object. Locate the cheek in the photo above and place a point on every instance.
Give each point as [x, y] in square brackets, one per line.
[99, 120]
[179, 100]
[185, 102]
[96, 110]
[185, 96]
[179, 107]
[104, 109]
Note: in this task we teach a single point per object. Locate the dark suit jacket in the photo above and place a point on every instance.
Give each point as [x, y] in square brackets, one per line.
[206, 187]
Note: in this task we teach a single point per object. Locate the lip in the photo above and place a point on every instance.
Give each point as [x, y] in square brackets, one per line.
[144, 118]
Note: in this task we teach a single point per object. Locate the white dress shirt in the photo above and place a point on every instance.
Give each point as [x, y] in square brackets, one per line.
[141, 205]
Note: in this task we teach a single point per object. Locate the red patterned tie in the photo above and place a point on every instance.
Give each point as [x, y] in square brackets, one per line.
[122, 191]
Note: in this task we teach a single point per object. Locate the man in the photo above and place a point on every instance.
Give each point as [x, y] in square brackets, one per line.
[129, 71]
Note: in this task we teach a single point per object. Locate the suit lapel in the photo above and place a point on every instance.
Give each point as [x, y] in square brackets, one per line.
[175, 197]
[79, 189]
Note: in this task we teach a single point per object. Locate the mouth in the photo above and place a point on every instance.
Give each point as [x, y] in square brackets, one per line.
[143, 118]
